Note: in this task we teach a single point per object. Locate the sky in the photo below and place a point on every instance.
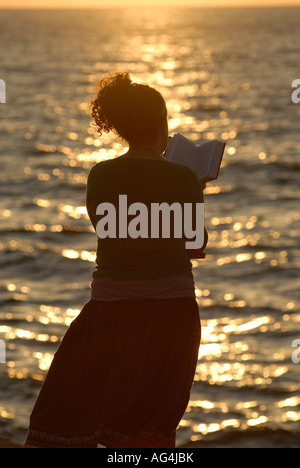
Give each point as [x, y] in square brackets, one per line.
[124, 3]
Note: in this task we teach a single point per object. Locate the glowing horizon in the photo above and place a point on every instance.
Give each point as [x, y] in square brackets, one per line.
[73, 4]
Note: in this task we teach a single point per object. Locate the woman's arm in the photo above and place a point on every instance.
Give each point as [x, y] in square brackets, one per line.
[198, 198]
[199, 253]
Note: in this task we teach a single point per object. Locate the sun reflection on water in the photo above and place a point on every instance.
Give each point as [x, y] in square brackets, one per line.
[246, 288]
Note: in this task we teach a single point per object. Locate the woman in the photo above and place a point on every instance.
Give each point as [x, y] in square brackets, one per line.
[123, 372]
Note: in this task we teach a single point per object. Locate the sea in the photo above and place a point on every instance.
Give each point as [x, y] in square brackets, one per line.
[226, 74]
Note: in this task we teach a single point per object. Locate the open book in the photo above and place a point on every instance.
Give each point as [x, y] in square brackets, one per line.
[204, 160]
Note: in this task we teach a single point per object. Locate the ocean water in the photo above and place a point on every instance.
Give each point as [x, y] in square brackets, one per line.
[226, 74]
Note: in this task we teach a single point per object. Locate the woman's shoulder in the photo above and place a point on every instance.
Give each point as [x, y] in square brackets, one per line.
[99, 167]
[174, 169]
[182, 168]
[185, 172]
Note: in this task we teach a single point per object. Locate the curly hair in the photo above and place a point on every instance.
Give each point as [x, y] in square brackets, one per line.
[132, 111]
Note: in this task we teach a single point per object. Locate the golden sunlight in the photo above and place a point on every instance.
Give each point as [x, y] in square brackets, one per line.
[148, 3]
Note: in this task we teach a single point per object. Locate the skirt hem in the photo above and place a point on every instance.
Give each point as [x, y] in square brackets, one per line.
[105, 436]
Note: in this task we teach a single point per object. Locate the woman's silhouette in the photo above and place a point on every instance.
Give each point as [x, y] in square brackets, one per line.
[123, 372]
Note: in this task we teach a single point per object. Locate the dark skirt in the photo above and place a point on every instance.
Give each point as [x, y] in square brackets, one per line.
[121, 376]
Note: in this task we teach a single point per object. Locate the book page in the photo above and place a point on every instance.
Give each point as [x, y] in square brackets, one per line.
[181, 150]
[216, 160]
[203, 158]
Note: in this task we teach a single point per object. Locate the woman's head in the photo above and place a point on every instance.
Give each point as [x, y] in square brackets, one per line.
[135, 112]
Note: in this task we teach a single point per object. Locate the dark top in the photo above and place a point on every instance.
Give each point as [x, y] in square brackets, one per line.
[146, 181]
